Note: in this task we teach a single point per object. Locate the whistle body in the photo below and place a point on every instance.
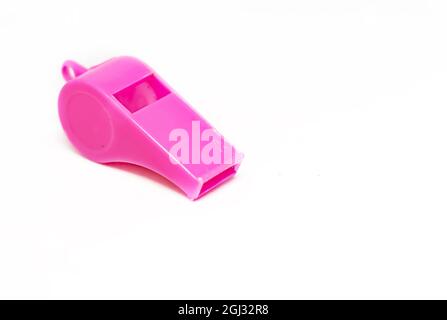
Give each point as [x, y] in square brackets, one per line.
[122, 111]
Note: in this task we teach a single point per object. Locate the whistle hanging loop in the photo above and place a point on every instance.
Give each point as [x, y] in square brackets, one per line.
[72, 69]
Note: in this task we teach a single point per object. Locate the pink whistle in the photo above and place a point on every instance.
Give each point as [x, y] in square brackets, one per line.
[122, 111]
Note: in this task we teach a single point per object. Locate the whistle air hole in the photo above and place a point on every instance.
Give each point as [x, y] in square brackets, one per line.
[142, 93]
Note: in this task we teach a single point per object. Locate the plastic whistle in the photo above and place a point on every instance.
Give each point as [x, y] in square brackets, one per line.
[122, 111]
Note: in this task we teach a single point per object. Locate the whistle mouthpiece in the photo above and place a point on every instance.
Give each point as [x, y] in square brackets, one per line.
[122, 111]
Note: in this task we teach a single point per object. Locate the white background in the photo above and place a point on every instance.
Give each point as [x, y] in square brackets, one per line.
[339, 106]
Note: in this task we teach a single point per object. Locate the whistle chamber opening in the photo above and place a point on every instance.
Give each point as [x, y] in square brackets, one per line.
[142, 93]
